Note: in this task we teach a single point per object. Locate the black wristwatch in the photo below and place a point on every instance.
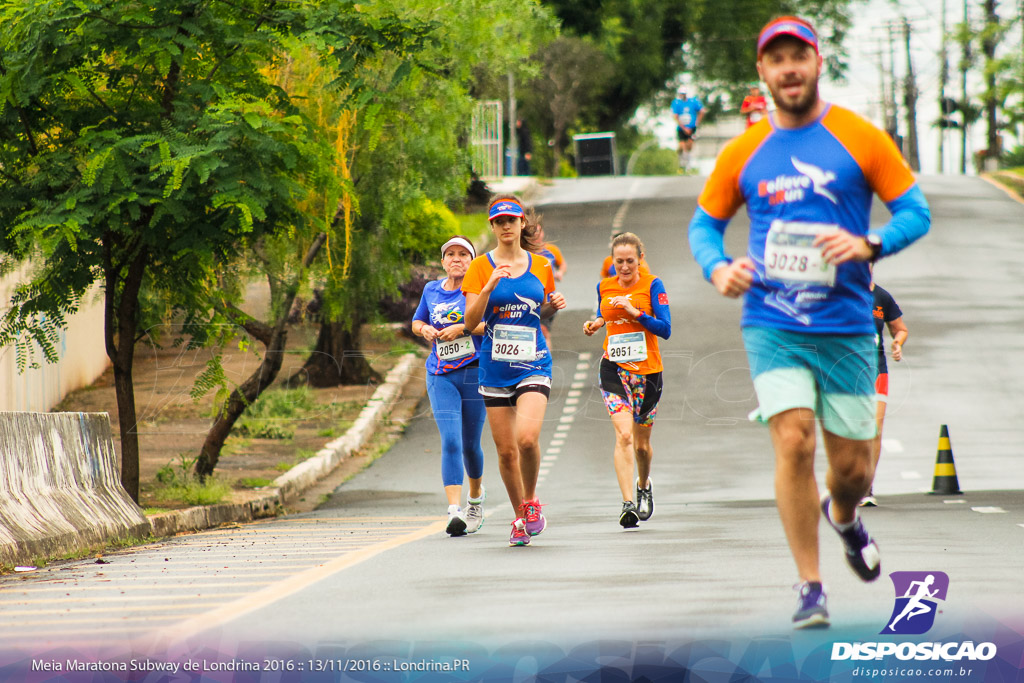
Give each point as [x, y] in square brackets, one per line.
[874, 241]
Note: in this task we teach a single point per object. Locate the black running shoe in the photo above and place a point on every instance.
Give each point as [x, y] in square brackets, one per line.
[861, 550]
[810, 607]
[628, 519]
[644, 500]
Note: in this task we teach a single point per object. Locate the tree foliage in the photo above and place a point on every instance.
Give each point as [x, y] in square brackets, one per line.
[650, 45]
[143, 143]
[408, 152]
[573, 76]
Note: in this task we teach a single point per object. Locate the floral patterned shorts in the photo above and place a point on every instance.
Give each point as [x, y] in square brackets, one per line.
[628, 392]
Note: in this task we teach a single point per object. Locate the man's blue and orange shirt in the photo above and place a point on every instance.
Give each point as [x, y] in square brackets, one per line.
[824, 173]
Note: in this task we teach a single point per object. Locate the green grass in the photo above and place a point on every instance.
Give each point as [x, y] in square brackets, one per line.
[254, 482]
[274, 413]
[211, 492]
[179, 483]
[656, 161]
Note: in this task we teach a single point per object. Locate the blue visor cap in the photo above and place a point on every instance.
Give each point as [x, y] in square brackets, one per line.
[786, 27]
[506, 208]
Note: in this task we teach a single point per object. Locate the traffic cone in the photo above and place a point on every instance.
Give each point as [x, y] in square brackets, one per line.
[945, 482]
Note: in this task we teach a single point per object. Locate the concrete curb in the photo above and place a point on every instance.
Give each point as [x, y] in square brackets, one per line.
[300, 477]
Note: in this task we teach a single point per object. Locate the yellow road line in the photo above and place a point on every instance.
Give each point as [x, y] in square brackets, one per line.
[1009, 193]
[283, 589]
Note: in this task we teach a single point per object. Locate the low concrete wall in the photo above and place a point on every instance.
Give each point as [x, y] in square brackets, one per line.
[59, 487]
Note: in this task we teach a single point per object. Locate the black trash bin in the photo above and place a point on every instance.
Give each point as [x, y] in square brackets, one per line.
[595, 154]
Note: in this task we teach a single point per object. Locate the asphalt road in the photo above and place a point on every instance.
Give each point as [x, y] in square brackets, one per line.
[371, 577]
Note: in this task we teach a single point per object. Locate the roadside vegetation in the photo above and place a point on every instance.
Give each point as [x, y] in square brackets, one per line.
[174, 153]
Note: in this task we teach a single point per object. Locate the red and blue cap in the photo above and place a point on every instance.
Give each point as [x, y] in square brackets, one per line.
[787, 26]
[506, 207]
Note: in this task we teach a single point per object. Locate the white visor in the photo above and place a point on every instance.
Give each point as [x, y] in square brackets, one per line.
[462, 242]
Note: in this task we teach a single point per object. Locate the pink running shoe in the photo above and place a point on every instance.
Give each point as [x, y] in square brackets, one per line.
[532, 517]
[519, 535]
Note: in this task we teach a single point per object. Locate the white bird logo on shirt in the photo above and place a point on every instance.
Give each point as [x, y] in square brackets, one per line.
[819, 178]
[534, 305]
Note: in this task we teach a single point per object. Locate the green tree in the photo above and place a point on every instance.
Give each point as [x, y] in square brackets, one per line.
[649, 42]
[409, 152]
[998, 72]
[143, 143]
[573, 76]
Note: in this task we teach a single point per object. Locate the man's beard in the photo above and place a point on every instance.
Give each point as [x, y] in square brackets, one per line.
[804, 104]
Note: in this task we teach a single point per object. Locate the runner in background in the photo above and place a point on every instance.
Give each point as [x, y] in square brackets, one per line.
[550, 251]
[634, 308]
[887, 314]
[755, 106]
[688, 113]
[452, 385]
[509, 289]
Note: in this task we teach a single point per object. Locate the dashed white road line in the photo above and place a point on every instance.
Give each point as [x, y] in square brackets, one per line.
[892, 446]
[569, 409]
[990, 510]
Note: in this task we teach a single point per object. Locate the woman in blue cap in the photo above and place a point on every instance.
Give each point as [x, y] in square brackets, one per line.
[510, 290]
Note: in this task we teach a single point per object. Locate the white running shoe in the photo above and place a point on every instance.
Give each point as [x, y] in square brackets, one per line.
[456, 522]
[475, 512]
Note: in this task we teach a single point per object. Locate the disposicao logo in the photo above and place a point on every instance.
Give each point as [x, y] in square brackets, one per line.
[917, 601]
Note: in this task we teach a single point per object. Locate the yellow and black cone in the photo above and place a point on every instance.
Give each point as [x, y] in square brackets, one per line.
[945, 482]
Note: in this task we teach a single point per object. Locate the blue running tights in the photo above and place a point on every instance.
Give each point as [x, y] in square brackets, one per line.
[459, 414]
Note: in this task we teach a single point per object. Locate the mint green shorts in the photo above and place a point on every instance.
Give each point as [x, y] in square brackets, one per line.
[833, 375]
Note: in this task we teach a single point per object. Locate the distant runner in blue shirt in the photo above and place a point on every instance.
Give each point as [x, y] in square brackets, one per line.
[688, 112]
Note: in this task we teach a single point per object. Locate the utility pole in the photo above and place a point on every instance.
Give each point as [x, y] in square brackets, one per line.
[989, 43]
[893, 110]
[883, 92]
[910, 100]
[965, 62]
[943, 79]
[513, 138]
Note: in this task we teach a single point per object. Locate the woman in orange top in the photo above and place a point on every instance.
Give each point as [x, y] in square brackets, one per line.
[634, 307]
[608, 267]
